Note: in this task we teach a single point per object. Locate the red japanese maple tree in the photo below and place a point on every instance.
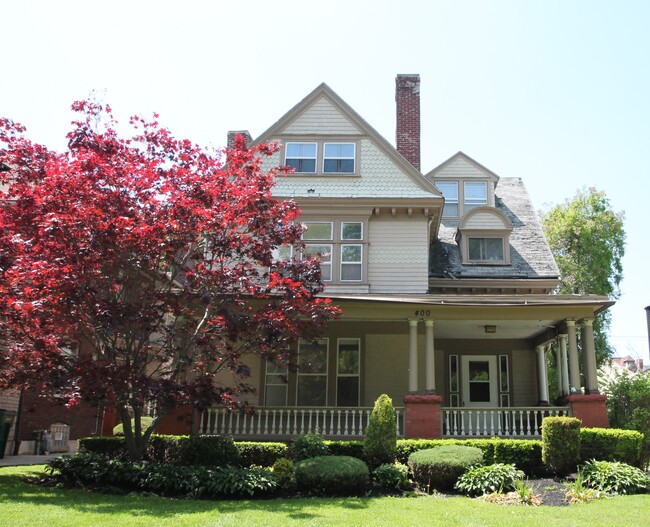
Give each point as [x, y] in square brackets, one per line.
[152, 254]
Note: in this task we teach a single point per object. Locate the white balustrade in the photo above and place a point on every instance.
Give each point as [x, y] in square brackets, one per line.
[291, 421]
[522, 421]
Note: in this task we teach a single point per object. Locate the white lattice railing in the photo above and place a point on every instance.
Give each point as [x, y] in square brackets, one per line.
[291, 421]
[520, 421]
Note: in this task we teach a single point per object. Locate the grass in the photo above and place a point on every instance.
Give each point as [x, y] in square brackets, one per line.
[23, 504]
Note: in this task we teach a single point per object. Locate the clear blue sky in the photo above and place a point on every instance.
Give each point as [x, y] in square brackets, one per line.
[554, 92]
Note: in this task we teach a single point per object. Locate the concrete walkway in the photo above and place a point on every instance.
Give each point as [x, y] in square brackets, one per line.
[13, 461]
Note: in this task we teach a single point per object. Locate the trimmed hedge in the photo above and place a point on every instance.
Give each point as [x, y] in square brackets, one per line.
[261, 454]
[332, 476]
[346, 448]
[439, 468]
[113, 447]
[611, 444]
[561, 444]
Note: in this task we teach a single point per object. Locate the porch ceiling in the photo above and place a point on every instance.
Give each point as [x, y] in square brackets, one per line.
[503, 329]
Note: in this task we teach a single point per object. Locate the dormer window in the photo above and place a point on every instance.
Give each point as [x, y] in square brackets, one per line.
[301, 157]
[338, 158]
[449, 190]
[475, 194]
[484, 237]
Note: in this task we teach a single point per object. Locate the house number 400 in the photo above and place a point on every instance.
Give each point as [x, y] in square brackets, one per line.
[422, 312]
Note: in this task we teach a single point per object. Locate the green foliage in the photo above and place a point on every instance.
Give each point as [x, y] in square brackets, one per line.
[628, 405]
[261, 454]
[346, 448]
[332, 476]
[439, 468]
[209, 450]
[114, 447]
[145, 422]
[611, 444]
[587, 239]
[392, 477]
[526, 454]
[561, 443]
[613, 477]
[309, 445]
[284, 471]
[380, 436]
[491, 478]
[164, 449]
[167, 480]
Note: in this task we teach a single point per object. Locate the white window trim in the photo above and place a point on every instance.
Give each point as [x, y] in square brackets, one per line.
[470, 206]
[342, 263]
[452, 201]
[315, 158]
[485, 237]
[284, 384]
[353, 157]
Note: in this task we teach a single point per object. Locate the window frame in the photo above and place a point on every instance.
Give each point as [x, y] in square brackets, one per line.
[356, 375]
[284, 384]
[467, 206]
[484, 238]
[450, 201]
[339, 159]
[300, 375]
[315, 158]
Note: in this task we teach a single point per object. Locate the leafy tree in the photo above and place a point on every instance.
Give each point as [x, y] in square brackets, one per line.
[587, 239]
[156, 257]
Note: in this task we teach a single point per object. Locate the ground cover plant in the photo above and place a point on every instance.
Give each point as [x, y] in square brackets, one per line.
[488, 479]
[27, 505]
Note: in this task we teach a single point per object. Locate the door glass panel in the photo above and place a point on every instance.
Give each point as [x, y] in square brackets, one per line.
[479, 381]
[479, 370]
[479, 392]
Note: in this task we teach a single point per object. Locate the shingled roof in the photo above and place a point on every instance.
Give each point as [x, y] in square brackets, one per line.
[530, 254]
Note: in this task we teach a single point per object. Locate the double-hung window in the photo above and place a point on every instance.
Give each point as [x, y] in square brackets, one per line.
[338, 158]
[301, 157]
[347, 372]
[351, 253]
[276, 384]
[319, 231]
[475, 194]
[449, 190]
[312, 373]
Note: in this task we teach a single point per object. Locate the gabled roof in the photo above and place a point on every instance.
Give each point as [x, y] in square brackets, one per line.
[455, 159]
[323, 91]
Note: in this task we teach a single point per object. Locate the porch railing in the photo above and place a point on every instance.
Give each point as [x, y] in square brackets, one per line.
[519, 421]
[286, 422]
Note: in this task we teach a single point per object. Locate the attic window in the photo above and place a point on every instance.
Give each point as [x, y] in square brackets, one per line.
[485, 249]
[475, 194]
[449, 190]
[338, 158]
[301, 157]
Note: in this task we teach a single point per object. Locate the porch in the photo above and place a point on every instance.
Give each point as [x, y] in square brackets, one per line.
[282, 423]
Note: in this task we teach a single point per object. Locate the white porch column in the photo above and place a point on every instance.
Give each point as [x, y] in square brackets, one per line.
[566, 390]
[589, 356]
[560, 366]
[574, 367]
[430, 385]
[542, 379]
[413, 356]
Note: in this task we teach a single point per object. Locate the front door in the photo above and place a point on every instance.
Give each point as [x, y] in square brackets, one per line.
[479, 390]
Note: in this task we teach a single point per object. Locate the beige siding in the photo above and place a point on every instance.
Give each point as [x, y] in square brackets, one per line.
[398, 254]
[485, 220]
[386, 368]
[524, 378]
[460, 168]
[322, 118]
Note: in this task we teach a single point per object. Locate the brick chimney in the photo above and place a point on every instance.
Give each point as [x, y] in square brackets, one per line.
[407, 99]
[233, 133]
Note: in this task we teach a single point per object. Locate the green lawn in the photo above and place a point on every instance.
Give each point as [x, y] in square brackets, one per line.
[22, 504]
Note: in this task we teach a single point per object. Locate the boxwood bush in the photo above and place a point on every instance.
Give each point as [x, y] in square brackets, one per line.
[261, 454]
[208, 450]
[391, 477]
[114, 447]
[439, 468]
[308, 445]
[332, 476]
[561, 444]
[346, 448]
[611, 444]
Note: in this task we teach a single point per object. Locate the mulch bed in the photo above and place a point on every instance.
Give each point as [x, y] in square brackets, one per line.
[550, 491]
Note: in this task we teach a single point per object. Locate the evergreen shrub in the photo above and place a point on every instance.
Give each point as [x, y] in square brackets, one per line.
[561, 444]
[380, 436]
[332, 476]
[611, 444]
[309, 445]
[439, 468]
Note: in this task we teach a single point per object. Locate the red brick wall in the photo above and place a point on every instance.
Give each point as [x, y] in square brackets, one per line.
[590, 409]
[407, 99]
[423, 416]
[39, 414]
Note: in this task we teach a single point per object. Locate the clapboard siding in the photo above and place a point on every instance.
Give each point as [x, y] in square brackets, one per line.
[524, 378]
[460, 168]
[485, 220]
[398, 254]
[322, 118]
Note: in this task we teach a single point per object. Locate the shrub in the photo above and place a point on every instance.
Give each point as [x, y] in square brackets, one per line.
[346, 448]
[309, 445]
[145, 422]
[561, 443]
[261, 454]
[164, 449]
[284, 471]
[167, 480]
[332, 476]
[440, 467]
[611, 444]
[210, 450]
[491, 478]
[380, 436]
[113, 447]
[613, 477]
[392, 477]
[525, 454]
